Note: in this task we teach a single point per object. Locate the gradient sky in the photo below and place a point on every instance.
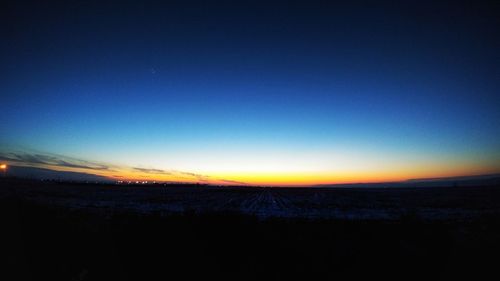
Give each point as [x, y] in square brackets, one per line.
[260, 92]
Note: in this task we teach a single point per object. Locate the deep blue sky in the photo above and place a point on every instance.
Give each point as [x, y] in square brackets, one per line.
[233, 88]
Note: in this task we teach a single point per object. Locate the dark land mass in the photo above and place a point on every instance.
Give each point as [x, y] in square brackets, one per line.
[69, 231]
[35, 173]
[460, 181]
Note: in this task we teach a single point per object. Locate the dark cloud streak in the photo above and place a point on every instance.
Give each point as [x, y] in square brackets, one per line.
[38, 159]
[41, 159]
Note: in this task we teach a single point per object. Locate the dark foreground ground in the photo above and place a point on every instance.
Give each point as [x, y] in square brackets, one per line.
[53, 231]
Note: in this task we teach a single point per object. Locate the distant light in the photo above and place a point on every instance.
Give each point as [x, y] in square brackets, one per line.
[3, 166]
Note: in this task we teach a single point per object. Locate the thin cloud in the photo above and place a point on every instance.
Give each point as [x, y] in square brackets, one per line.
[152, 171]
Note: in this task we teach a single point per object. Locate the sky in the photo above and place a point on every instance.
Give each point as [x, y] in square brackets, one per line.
[254, 92]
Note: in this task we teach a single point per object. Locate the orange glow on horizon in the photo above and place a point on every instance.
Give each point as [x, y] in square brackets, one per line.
[283, 178]
[306, 179]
